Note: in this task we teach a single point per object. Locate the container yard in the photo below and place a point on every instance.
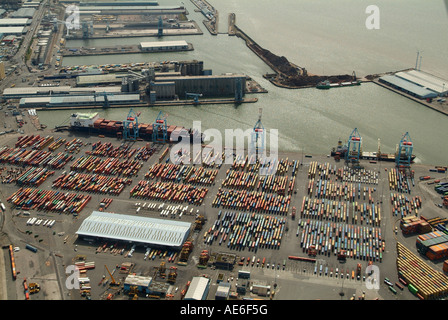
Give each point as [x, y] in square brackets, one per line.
[313, 222]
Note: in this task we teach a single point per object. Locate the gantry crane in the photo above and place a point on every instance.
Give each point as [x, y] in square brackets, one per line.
[160, 129]
[130, 126]
[160, 27]
[403, 156]
[195, 97]
[103, 94]
[238, 90]
[354, 147]
[258, 136]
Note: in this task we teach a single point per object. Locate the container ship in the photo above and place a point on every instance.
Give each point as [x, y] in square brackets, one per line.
[341, 150]
[92, 123]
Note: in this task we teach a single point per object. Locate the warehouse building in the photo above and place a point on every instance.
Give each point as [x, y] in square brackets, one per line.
[24, 92]
[198, 289]
[416, 83]
[223, 291]
[17, 30]
[117, 3]
[208, 86]
[24, 13]
[156, 46]
[132, 229]
[163, 90]
[98, 79]
[425, 80]
[76, 101]
[15, 22]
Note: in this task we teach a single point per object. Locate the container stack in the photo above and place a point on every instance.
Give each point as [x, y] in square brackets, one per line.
[246, 230]
[169, 191]
[252, 201]
[413, 225]
[56, 144]
[398, 181]
[362, 243]
[91, 183]
[404, 206]
[434, 245]
[423, 281]
[34, 177]
[48, 200]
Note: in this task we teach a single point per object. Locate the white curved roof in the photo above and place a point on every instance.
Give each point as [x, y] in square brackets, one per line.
[135, 229]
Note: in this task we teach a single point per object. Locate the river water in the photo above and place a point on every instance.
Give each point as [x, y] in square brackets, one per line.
[326, 38]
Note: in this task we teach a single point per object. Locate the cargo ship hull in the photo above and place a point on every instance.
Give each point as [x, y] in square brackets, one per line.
[373, 156]
[100, 126]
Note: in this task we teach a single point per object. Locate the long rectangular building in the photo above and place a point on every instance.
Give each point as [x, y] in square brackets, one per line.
[75, 100]
[135, 229]
[208, 86]
[15, 22]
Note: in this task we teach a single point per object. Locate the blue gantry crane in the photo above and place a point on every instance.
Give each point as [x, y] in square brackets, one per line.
[238, 90]
[160, 129]
[403, 156]
[160, 28]
[354, 147]
[195, 96]
[258, 136]
[130, 126]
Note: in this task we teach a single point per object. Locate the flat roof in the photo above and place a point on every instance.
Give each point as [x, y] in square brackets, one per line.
[222, 76]
[135, 229]
[124, 8]
[141, 281]
[97, 78]
[27, 91]
[91, 98]
[425, 80]
[12, 30]
[15, 21]
[409, 86]
[158, 44]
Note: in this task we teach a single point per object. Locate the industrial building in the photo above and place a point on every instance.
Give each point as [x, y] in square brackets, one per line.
[208, 86]
[25, 92]
[223, 291]
[80, 100]
[91, 80]
[117, 3]
[198, 289]
[132, 229]
[162, 91]
[24, 13]
[142, 283]
[225, 261]
[155, 46]
[416, 83]
[15, 22]
[13, 30]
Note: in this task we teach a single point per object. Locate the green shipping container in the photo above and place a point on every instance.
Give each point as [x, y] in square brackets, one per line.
[412, 289]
